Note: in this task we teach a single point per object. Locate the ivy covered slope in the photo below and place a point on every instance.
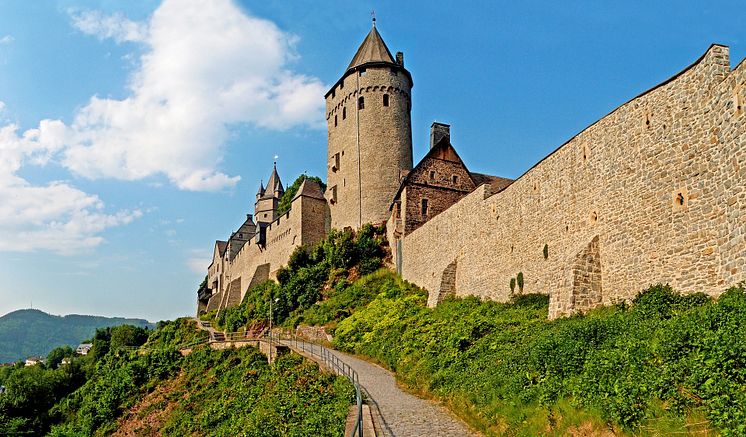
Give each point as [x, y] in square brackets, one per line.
[157, 391]
[666, 363]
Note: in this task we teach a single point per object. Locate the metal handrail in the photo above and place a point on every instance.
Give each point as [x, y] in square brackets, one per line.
[336, 365]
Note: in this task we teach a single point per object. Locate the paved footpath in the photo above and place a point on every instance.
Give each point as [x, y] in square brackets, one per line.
[402, 414]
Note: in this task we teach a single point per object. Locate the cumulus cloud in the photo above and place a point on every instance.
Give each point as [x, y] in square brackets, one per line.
[7, 39]
[54, 217]
[201, 67]
[205, 66]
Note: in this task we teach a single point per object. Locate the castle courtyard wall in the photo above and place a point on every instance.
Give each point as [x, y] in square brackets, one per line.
[653, 192]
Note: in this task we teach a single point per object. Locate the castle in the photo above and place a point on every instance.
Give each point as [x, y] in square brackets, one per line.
[655, 191]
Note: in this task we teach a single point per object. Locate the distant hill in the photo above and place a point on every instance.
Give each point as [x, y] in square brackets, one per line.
[33, 332]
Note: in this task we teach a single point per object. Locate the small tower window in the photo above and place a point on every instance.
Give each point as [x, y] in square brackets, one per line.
[362, 72]
[335, 119]
[344, 113]
[455, 179]
[432, 174]
[424, 208]
[361, 102]
[385, 100]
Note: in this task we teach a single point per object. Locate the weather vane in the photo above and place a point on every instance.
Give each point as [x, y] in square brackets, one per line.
[373, 16]
[276, 159]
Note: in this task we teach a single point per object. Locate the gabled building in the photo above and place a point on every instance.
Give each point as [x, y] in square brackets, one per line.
[438, 181]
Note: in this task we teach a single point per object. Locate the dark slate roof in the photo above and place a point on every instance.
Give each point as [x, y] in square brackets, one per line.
[274, 184]
[309, 188]
[260, 193]
[221, 247]
[373, 49]
[496, 182]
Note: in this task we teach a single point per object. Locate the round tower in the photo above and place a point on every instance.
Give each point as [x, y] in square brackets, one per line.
[370, 135]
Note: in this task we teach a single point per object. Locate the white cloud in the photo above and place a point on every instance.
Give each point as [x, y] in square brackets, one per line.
[205, 66]
[7, 39]
[115, 26]
[54, 217]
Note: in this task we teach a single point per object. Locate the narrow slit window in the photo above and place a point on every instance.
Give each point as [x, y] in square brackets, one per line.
[344, 113]
[335, 119]
[385, 100]
[361, 103]
[432, 174]
[424, 208]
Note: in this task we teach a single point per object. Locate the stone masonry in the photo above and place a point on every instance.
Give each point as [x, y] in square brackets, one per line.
[653, 192]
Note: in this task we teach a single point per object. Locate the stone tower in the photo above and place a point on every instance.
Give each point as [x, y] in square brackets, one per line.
[268, 199]
[370, 135]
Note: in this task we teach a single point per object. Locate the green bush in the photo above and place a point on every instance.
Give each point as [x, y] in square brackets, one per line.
[311, 276]
[509, 370]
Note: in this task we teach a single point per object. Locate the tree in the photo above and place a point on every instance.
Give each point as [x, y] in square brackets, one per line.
[287, 198]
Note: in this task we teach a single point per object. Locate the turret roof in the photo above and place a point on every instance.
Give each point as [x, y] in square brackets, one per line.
[373, 49]
[274, 184]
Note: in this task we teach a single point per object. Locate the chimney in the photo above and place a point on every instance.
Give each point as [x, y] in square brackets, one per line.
[438, 131]
[400, 58]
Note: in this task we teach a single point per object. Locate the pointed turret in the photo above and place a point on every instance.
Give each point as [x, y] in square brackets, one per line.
[373, 49]
[268, 198]
[274, 184]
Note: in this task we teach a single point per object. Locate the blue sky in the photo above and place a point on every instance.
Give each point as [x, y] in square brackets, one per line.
[134, 134]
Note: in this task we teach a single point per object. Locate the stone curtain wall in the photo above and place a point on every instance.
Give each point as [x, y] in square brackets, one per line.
[656, 190]
[304, 224]
[385, 134]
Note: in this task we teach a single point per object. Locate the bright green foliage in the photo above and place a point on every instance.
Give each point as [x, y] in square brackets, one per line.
[509, 370]
[345, 298]
[287, 198]
[176, 333]
[223, 393]
[235, 392]
[55, 357]
[309, 276]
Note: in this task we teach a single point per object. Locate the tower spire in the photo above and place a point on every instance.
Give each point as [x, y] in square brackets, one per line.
[373, 16]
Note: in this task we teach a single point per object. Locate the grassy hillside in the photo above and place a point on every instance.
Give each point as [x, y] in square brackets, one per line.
[32, 332]
[665, 363]
[157, 391]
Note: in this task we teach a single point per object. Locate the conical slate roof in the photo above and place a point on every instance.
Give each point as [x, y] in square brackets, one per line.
[373, 49]
[274, 183]
[260, 193]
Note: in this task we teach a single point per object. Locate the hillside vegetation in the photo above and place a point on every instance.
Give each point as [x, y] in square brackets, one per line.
[665, 363]
[24, 333]
[157, 391]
